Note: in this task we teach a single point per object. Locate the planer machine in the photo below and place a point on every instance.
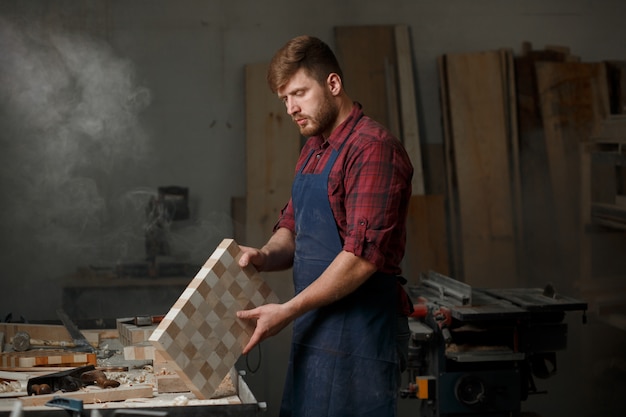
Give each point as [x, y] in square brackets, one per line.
[477, 352]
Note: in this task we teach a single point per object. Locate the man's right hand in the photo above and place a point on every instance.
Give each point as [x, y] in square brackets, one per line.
[270, 319]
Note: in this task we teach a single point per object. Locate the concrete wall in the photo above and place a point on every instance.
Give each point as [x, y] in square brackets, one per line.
[102, 101]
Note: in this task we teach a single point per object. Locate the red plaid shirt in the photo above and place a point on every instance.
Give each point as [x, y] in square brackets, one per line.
[369, 188]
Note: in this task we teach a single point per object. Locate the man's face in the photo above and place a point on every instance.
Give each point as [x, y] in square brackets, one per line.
[310, 105]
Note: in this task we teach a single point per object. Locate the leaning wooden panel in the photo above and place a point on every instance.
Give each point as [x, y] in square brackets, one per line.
[201, 334]
[272, 149]
[479, 131]
[366, 54]
[574, 100]
[538, 215]
[426, 243]
[455, 245]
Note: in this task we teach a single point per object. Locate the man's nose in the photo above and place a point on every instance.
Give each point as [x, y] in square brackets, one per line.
[292, 107]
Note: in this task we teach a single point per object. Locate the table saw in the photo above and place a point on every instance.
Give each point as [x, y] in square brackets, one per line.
[479, 352]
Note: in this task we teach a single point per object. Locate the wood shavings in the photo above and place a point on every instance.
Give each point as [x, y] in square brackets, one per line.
[181, 400]
[10, 386]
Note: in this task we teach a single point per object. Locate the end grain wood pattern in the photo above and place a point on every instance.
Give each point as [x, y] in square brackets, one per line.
[201, 334]
[45, 358]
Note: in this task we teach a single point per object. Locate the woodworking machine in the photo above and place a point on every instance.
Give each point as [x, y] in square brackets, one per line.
[477, 352]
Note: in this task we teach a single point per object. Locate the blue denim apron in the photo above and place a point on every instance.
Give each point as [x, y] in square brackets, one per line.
[343, 358]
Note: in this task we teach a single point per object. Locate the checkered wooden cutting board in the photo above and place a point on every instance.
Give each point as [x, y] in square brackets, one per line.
[201, 334]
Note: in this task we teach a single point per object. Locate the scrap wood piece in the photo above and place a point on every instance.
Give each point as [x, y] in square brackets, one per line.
[131, 334]
[93, 395]
[201, 334]
[36, 331]
[170, 383]
[140, 351]
[45, 358]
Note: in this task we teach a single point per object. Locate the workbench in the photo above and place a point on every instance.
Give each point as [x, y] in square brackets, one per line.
[244, 404]
[239, 402]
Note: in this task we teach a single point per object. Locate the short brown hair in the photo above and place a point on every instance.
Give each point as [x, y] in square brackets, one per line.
[306, 52]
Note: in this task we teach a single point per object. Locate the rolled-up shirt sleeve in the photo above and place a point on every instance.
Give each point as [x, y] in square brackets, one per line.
[286, 218]
[375, 200]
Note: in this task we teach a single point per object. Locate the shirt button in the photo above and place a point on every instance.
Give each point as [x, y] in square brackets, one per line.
[318, 156]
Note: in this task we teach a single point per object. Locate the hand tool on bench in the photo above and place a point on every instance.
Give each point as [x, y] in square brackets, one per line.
[66, 381]
[69, 381]
[22, 341]
[143, 320]
[80, 341]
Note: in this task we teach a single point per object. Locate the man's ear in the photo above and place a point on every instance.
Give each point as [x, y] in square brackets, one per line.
[334, 83]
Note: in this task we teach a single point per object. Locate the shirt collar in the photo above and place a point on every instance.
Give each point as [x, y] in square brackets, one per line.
[341, 132]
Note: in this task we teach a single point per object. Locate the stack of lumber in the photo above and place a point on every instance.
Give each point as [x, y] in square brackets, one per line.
[135, 339]
[514, 126]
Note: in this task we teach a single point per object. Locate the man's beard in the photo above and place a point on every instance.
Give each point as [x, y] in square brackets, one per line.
[323, 120]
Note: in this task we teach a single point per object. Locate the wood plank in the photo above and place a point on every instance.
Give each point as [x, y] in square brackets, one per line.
[408, 106]
[511, 119]
[36, 331]
[537, 212]
[141, 351]
[479, 130]
[170, 383]
[363, 53]
[427, 246]
[272, 150]
[93, 395]
[574, 100]
[454, 230]
[391, 87]
[273, 145]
